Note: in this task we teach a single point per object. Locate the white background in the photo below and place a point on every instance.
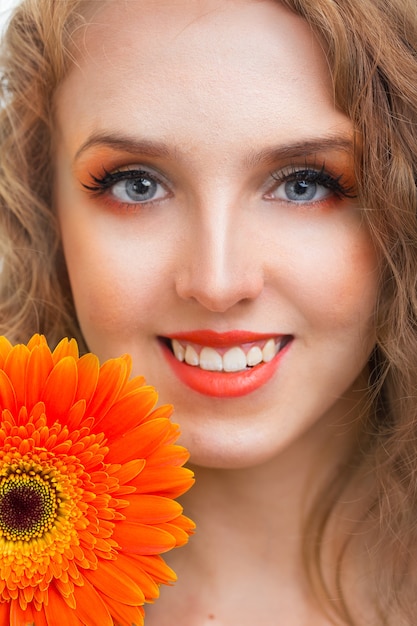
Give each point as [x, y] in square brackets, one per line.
[5, 8]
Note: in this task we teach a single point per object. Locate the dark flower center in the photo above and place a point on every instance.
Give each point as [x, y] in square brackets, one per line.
[27, 506]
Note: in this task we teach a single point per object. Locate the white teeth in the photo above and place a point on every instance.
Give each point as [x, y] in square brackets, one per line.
[191, 356]
[211, 360]
[178, 349]
[234, 360]
[254, 356]
[269, 351]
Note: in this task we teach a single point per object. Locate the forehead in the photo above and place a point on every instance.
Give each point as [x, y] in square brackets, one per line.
[229, 64]
[195, 34]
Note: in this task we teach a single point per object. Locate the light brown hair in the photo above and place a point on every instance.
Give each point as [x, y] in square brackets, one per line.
[371, 47]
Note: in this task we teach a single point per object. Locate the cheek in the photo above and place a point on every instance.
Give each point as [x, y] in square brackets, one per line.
[353, 282]
[338, 279]
[113, 282]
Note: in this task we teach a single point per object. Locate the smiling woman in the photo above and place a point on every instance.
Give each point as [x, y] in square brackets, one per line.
[164, 180]
[226, 191]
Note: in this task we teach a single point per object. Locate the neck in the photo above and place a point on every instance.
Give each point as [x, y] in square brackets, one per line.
[264, 507]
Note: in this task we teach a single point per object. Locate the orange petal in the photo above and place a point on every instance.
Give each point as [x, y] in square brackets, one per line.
[39, 618]
[19, 616]
[15, 368]
[125, 615]
[140, 441]
[59, 391]
[88, 372]
[130, 565]
[7, 394]
[57, 611]
[112, 376]
[5, 613]
[180, 535]
[91, 608]
[136, 538]
[185, 523]
[134, 383]
[38, 412]
[5, 348]
[66, 347]
[156, 567]
[129, 411]
[115, 583]
[165, 410]
[39, 366]
[127, 472]
[170, 482]
[75, 415]
[172, 454]
[151, 509]
[36, 340]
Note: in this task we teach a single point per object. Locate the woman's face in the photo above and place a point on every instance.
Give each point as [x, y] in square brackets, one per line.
[205, 192]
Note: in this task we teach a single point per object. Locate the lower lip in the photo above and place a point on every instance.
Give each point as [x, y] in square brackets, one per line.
[224, 384]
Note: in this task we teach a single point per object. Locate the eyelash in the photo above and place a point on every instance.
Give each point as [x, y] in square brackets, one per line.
[101, 185]
[319, 177]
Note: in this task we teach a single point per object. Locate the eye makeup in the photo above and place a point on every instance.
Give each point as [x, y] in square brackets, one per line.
[297, 174]
[309, 185]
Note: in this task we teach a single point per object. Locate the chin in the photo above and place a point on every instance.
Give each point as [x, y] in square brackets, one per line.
[226, 450]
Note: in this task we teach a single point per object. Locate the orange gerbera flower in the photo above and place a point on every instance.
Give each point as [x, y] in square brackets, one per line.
[88, 475]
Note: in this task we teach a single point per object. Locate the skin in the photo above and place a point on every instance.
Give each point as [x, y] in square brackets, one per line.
[234, 91]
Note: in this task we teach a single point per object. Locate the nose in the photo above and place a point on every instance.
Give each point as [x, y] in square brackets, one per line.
[220, 265]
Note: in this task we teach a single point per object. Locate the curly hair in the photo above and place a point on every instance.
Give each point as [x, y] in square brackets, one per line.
[34, 291]
[371, 48]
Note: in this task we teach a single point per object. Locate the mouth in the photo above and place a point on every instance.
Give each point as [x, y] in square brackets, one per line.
[224, 365]
[237, 358]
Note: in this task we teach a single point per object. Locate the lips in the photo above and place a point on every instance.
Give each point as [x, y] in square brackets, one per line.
[225, 364]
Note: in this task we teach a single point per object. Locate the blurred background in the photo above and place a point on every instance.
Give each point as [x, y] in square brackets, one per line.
[5, 8]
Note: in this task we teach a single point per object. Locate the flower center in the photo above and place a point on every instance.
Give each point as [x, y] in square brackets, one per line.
[28, 505]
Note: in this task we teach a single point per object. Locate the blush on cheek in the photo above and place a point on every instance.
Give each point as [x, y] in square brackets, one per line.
[356, 281]
[337, 275]
[97, 313]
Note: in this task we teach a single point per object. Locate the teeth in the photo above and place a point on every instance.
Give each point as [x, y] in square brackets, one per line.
[233, 360]
[254, 356]
[191, 356]
[211, 360]
[178, 349]
[269, 351]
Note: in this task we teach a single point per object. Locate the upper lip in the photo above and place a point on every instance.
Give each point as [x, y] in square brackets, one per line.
[216, 339]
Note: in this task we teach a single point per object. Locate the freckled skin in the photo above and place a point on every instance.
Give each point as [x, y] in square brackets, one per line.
[217, 83]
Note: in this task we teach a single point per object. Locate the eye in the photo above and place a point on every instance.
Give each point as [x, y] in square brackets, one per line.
[301, 191]
[129, 186]
[140, 188]
[307, 186]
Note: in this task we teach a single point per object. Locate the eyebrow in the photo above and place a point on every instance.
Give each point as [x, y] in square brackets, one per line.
[305, 148]
[124, 143]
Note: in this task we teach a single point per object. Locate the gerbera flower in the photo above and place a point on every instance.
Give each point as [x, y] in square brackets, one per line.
[89, 470]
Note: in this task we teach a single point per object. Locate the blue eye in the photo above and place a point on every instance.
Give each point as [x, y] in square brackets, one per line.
[301, 191]
[138, 187]
[307, 185]
[129, 186]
